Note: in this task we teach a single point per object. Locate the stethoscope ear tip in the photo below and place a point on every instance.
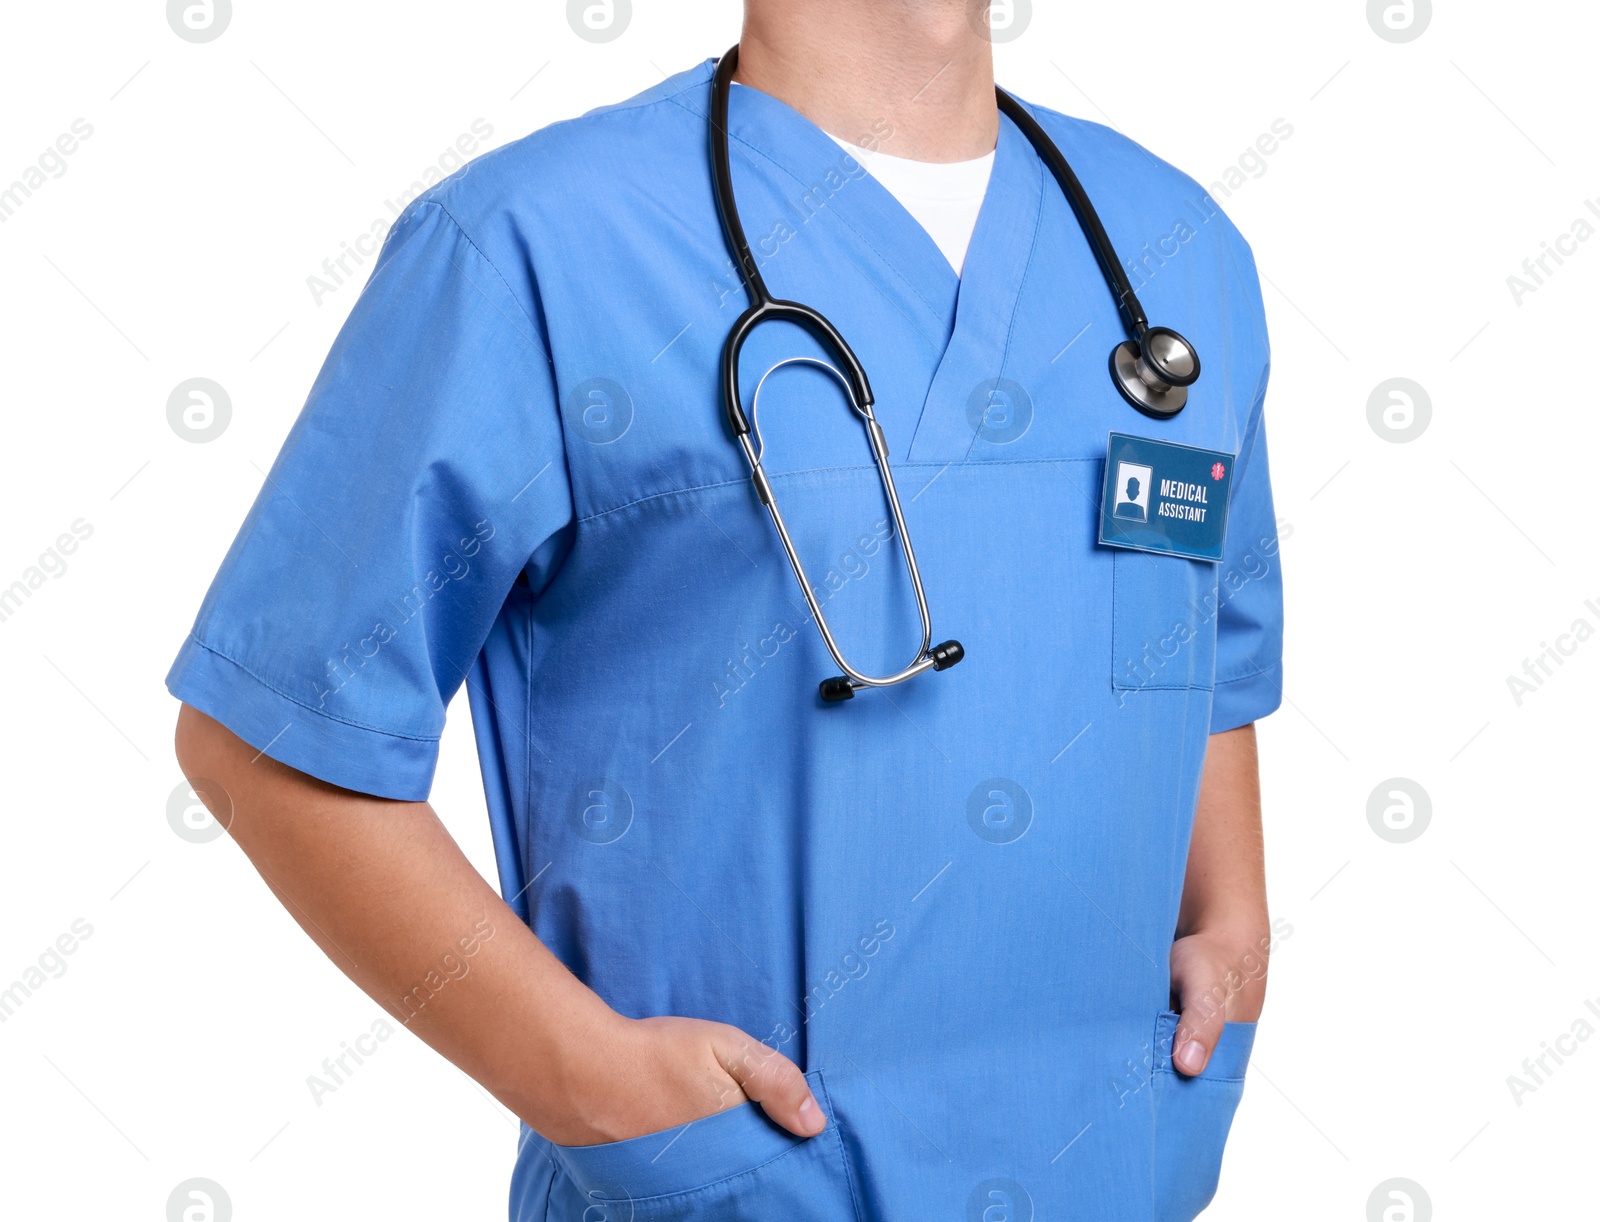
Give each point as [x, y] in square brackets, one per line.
[942, 657]
[836, 689]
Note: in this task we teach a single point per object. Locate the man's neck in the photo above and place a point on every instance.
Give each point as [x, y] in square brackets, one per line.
[910, 77]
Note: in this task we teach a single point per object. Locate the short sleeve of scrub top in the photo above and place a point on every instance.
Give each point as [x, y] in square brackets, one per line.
[423, 475]
[1249, 676]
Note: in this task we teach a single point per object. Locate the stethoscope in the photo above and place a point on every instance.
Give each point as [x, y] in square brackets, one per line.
[1154, 369]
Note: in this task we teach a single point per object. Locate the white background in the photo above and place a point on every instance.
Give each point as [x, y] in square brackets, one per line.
[177, 244]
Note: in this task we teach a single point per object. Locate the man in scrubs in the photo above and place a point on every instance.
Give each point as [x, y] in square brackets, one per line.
[989, 944]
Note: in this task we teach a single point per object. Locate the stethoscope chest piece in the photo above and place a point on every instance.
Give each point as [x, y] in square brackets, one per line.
[1154, 371]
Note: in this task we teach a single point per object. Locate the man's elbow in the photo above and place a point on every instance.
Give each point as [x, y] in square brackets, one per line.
[199, 743]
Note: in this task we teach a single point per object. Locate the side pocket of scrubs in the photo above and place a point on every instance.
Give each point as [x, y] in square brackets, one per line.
[1163, 621]
[735, 1166]
[1193, 1116]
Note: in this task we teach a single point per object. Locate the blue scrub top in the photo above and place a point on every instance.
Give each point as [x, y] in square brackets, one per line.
[950, 902]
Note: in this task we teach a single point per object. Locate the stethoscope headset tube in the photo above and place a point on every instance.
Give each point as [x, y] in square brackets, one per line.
[1153, 369]
[766, 308]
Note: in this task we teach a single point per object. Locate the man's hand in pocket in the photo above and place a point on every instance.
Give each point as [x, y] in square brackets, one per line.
[1216, 979]
[653, 1074]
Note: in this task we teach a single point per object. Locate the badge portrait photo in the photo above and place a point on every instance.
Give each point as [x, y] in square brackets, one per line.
[1133, 491]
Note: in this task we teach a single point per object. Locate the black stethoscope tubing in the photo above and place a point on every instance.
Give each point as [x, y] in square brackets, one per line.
[1152, 370]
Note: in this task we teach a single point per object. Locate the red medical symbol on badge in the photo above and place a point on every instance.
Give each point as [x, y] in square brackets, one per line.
[1218, 470]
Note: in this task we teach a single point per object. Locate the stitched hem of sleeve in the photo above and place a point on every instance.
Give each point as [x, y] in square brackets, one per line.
[342, 754]
[1238, 702]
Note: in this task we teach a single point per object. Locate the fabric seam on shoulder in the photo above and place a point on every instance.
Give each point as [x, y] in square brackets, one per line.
[472, 242]
[634, 104]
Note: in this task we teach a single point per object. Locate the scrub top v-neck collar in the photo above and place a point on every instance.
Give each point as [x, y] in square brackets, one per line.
[966, 318]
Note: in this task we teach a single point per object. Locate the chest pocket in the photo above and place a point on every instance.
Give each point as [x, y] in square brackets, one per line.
[1163, 622]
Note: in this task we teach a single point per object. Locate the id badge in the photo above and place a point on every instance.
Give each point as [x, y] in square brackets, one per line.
[1165, 498]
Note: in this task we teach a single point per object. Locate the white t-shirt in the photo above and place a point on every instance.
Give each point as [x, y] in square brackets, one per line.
[943, 196]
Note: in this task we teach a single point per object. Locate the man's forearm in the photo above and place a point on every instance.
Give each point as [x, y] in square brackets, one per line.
[1225, 884]
[382, 888]
[387, 894]
[1219, 957]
